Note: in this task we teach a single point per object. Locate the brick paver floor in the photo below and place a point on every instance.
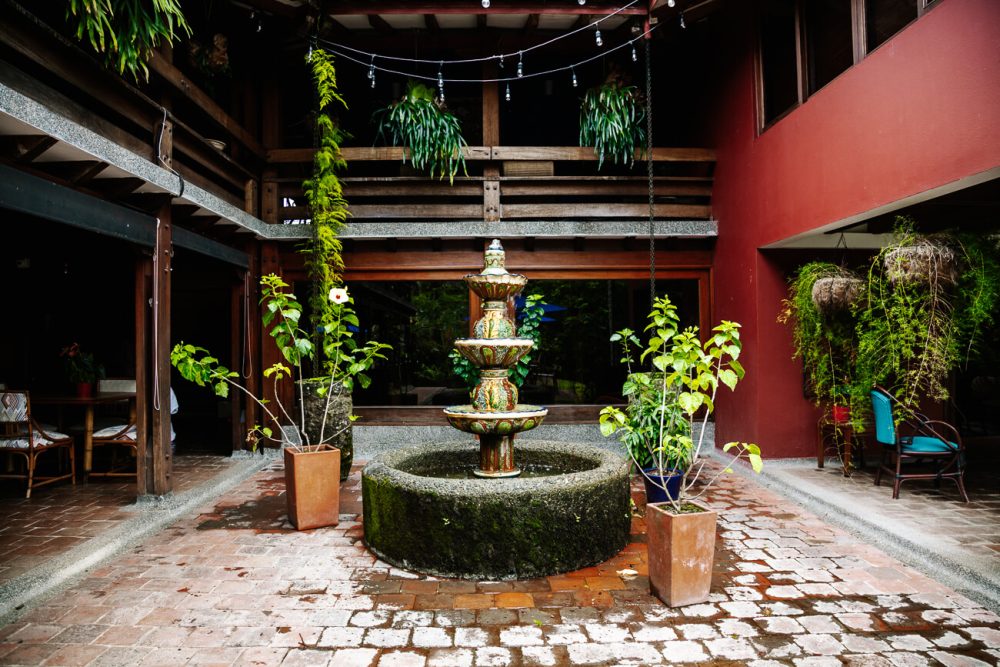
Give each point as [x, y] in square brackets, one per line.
[61, 516]
[235, 585]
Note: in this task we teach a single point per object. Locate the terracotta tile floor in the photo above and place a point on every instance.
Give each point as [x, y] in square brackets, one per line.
[61, 516]
[235, 585]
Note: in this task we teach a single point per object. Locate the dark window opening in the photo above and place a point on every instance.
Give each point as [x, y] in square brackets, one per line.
[829, 42]
[884, 18]
[778, 59]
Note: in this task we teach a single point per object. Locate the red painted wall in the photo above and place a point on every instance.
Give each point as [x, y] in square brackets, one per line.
[921, 111]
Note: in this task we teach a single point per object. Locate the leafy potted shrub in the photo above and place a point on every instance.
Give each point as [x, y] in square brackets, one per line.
[612, 120]
[929, 298]
[82, 369]
[422, 124]
[819, 307]
[681, 531]
[312, 467]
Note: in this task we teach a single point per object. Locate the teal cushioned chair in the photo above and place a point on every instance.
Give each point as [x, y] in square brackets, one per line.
[929, 443]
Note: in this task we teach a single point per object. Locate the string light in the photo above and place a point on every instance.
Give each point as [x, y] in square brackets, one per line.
[520, 66]
[581, 2]
[344, 52]
[486, 4]
[371, 69]
[683, 26]
[507, 96]
[497, 57]
[575, 84]
[635, 56]
[671, 3]
[441, 82]
[597, 37]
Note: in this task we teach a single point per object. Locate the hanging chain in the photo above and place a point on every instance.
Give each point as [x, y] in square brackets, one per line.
[649, 170]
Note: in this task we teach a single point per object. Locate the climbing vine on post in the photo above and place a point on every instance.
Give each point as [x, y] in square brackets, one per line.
[325, 194]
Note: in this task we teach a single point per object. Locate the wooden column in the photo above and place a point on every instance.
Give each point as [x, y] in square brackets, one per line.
[253, 334]
[159, 474]
[491, 137]
[143, 386]
[270, 354]
[237, 355]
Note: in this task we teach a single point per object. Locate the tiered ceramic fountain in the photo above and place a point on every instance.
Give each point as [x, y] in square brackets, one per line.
[445, 509]
[495, 416]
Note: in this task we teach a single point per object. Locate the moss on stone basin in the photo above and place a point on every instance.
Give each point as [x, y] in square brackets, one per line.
[497, 528]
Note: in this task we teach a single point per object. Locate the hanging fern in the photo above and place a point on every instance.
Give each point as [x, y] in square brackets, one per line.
[421, 123]
[325, 194]
[612, 120]
[127, 31]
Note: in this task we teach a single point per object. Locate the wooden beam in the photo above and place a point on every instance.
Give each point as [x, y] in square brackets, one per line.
[530, 25]
[159, 477]
[143, 391]
[87, 172]
[33, 148]
[431, 23]
[177, 79]
[481, 21]
[582, 21]
[575, 153]
[379, 23]
[544, 211]
[345, 8]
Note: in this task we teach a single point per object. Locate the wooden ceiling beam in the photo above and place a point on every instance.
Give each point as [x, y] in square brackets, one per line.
[531, 24]
[379, 23]
[32, 148]
[481, 21]
[583, 20]
[431, 23]
[87, 172]
[117, 188]
[355, 8]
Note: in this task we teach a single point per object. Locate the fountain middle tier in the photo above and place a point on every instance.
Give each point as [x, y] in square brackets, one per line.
[493, 352]
[470, 419]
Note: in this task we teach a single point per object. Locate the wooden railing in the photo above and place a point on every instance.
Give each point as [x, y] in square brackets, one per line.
[506, 182]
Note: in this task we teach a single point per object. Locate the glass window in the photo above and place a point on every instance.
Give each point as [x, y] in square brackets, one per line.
[778, 60]
[829, 43]
[884, 18]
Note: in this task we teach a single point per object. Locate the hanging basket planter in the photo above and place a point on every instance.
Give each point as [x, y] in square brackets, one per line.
[921, 262]
[836, 293]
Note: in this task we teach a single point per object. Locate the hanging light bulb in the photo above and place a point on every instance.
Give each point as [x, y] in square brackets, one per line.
[440, 75]
[575, 84]
[597, 37]
[373, 79]
[635, 56]
[486, 4]
[581, 2]
[683, 25]
[371, 68]
[507, 96]
[520, 65]
[671, 3]
[501, 60]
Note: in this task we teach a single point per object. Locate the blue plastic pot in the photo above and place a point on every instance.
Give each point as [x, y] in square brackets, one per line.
[655, 483]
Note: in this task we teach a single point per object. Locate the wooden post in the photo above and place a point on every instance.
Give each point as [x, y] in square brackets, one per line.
[270, 354]
[253, 343]
[237, 354]
[491, 137]
[143, 391]
[158, 477]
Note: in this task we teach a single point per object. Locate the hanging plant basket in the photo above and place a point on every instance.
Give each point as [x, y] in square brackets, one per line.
[924, 262]
[836, 293]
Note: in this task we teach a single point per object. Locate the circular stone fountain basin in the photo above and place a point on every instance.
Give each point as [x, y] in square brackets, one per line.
[493, 352]
[571, 512]
[470, 420]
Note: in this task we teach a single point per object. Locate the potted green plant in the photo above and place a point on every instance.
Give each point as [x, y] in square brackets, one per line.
[681, 531]
[612, 120]
[821, 310]
[82, 369]
[422, 124]
[312, 466]
[928, 300]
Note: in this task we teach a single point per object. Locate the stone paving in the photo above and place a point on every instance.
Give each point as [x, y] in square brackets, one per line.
[59, 517]
[236, 586]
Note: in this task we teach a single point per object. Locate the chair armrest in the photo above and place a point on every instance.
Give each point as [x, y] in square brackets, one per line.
[37, 428]
[933, 432]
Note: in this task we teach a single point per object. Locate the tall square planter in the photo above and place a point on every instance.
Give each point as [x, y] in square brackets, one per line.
[312, 486]
[681, 553]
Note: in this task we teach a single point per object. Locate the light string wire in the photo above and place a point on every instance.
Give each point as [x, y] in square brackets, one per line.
[528, 75]
[499, 56]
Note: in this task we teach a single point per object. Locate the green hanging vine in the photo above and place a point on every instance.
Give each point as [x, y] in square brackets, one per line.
[325, 194]
[612, 119]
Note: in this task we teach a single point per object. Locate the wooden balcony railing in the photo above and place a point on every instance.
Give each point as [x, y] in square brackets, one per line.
[507, 183]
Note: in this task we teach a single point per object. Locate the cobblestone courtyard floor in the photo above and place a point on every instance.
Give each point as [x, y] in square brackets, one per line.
[234, 585]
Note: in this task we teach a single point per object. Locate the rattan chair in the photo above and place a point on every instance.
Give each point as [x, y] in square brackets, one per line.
[20, 435]
[123, 436]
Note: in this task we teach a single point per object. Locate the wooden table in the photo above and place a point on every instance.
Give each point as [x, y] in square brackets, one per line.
[843, 438]
[87, 404]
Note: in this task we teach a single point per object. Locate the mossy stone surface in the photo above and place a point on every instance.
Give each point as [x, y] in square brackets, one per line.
[497, 528]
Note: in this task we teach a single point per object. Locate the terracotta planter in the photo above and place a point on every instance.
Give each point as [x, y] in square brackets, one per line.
[84, 389]
[681, 553]
[312, 485]
[841, 414]
[338, 420]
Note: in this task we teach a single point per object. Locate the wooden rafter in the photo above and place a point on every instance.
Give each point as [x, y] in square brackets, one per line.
[379, 23]
[431, 23]
[31, 148]
[346, 8]
[582, 20]
[531, 24]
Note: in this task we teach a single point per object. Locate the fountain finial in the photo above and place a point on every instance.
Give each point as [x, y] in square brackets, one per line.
[494, 260]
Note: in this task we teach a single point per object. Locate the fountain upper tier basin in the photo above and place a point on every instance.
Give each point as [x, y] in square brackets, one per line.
[493, 352]
[470, 420]
[496, 287]
[496, 528]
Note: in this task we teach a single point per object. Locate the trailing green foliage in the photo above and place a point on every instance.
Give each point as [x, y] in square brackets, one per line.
[688, 373]
[913, 332]
[422, 124]
[826, 342]
[127, 31]
[528, 327]
[325, 195]
[612, 120]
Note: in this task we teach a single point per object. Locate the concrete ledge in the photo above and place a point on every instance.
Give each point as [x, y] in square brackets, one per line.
[151, 516]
